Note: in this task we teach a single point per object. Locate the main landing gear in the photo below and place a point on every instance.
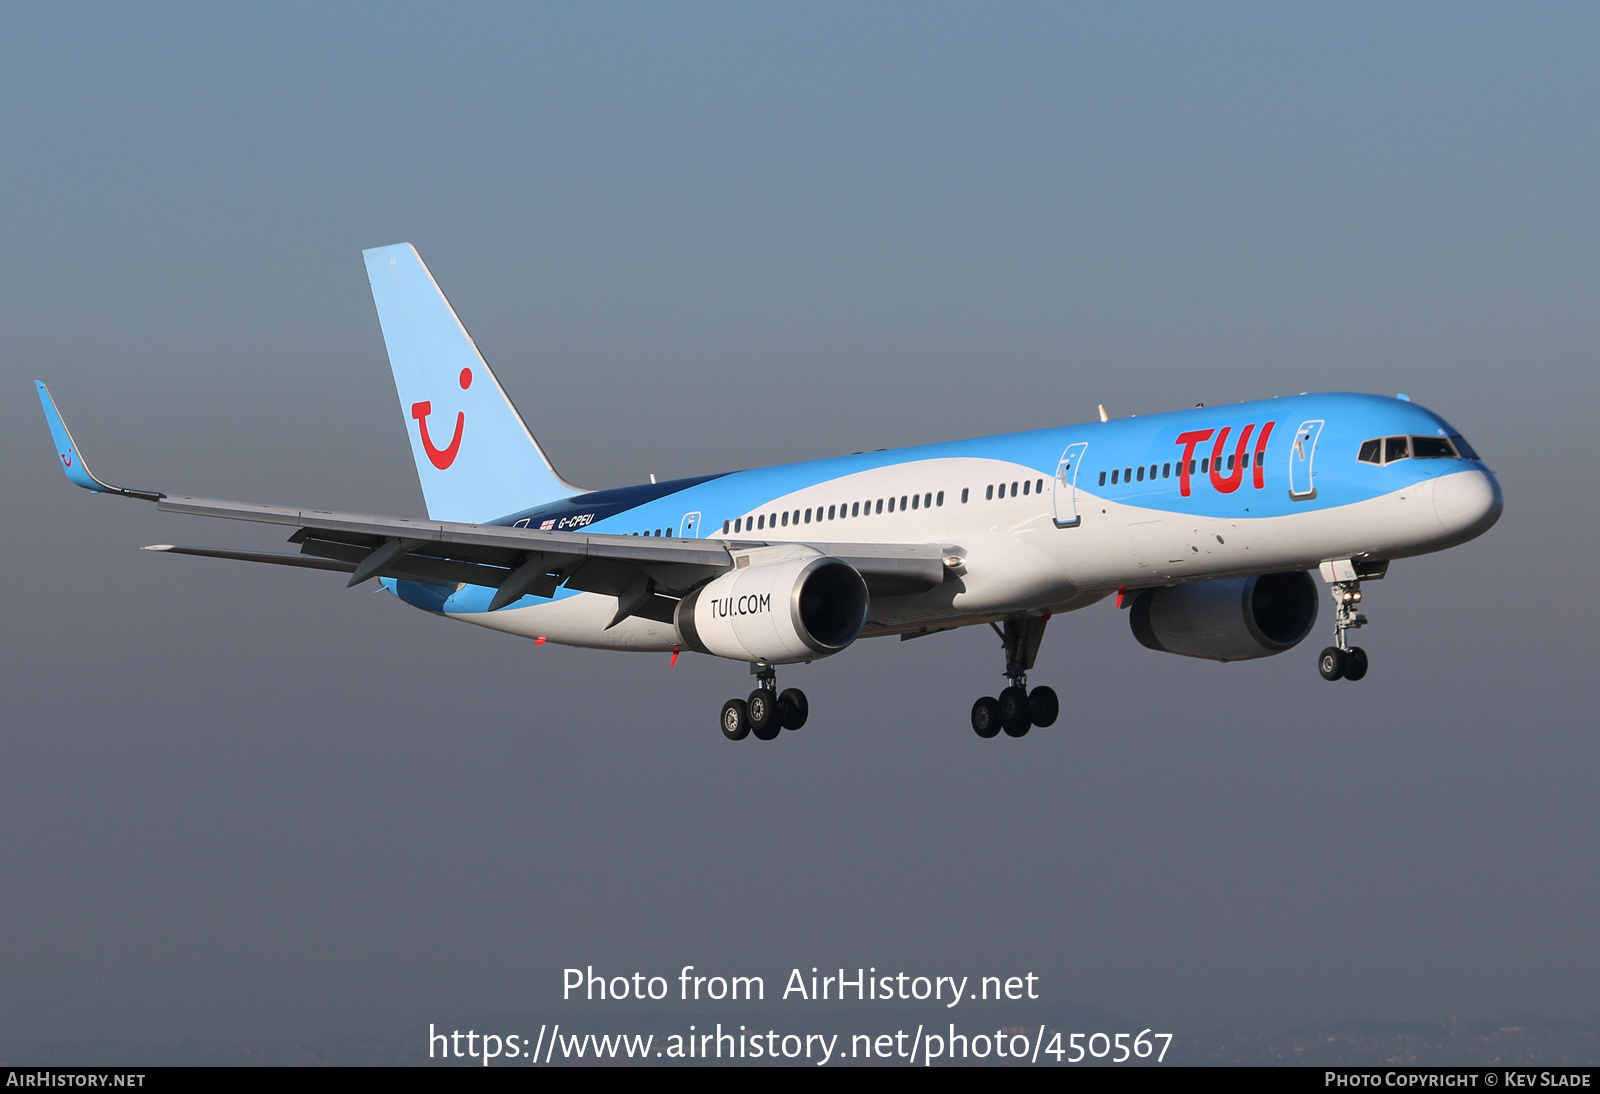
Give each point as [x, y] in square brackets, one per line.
[1017, 709]
[1342, 659]
[765, 713]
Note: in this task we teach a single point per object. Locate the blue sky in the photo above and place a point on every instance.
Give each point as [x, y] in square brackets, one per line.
[698, 237]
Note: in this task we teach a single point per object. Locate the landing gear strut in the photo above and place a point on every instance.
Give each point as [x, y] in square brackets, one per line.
[1342, 659]
[1017, 709]
[766, 713]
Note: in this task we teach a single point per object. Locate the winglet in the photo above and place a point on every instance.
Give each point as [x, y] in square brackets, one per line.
[78, 472]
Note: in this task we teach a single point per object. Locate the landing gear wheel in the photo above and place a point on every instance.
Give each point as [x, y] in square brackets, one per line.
[793, 708]
[763, 708]
[986, 717]
[1355, 663]
[1014, 714]
[1043, 706]
[763, 711]
[735, 720]
[1331, 663]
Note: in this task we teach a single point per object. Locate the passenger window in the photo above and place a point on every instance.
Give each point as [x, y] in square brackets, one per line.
[902, 503]
[1205, 466]
[797, 516]
[1431, 448]
[1371, 451]
[1026, 488]
[786, 520]
[964, 495]
[927, 500]
[1127, 474]
[1166, 471]
[1230, 463]
[855, 509]
[724, 527]
[988, 492]
[1141, 472]
[1038, 487]
[1114, 473]
[915, 498]
[1013, 489]
[880, 505]
[1396, 448]
[808, 516]
[830, 512]
[1247, 459]
[1102, 478]
[669, 533]
[738, 525]
[1191, 467]
[940, 498]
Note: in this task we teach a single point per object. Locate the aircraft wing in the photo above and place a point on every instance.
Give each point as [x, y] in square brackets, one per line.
[519, 561]
[516, 562]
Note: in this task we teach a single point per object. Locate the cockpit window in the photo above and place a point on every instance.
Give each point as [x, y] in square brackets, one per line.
[1382, 450]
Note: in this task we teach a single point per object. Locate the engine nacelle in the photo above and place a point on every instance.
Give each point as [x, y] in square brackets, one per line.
[1234, 619]
[798, 609]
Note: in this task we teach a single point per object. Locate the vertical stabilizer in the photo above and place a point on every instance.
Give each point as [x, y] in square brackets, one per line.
[475, 457]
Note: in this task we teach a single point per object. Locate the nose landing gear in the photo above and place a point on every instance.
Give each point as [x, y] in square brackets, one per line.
[1017, 709]
[766, 713]
[1342, 660]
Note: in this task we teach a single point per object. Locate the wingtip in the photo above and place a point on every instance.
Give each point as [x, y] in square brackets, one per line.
[158, 547]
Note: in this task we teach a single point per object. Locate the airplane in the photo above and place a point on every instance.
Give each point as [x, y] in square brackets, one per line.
[1205, 524]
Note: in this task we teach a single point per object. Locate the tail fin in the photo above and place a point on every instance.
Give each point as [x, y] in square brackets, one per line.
[475, 457]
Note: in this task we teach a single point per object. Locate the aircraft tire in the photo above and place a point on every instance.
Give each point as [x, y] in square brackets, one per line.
[1014, 714]
[1355, 663]
[762, 707]
[735, 720]
[986, 717]
[793, 708]
[1331, 663]
[1043, 707]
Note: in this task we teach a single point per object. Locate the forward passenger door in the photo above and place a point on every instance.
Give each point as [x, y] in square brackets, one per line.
[1302, 487]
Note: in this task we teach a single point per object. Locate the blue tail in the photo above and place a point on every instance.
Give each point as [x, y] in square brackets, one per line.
[475, 457]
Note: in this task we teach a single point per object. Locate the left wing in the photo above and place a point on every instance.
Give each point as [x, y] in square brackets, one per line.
[516, 562]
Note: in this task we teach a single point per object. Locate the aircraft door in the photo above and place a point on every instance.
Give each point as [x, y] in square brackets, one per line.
[1065, 491]
[1302, 487]
[691, 526]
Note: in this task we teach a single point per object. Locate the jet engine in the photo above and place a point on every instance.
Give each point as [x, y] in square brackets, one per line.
[798, 609]
[1234, 619]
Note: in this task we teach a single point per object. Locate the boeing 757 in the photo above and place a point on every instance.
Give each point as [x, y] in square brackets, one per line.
[1210, 526]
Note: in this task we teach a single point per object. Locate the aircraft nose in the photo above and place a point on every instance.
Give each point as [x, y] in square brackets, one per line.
[1467, 503]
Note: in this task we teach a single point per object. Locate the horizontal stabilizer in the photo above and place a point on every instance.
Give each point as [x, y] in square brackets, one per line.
[272, 557]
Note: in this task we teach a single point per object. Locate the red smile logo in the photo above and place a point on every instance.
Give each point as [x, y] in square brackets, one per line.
[441, 457]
